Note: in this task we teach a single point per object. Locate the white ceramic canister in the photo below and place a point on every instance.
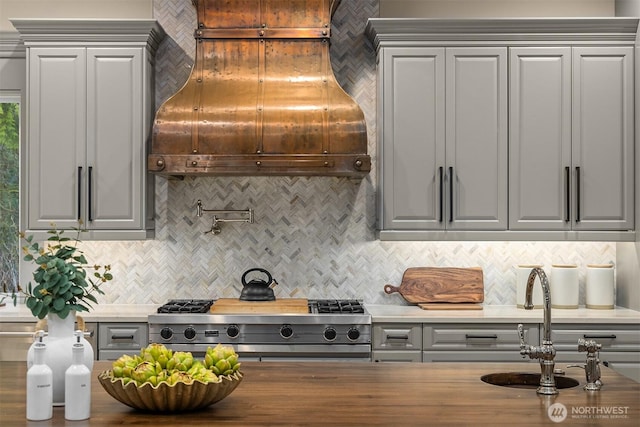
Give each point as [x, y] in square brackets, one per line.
[599, 288]
[522, 275]
[564, 285]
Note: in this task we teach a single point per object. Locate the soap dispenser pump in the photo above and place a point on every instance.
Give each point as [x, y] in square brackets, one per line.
[39, 384]
[77, 387]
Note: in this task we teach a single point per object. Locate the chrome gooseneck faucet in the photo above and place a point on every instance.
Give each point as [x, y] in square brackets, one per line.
[545, 352]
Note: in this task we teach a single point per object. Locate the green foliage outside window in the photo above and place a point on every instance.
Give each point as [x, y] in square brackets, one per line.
[9, 142]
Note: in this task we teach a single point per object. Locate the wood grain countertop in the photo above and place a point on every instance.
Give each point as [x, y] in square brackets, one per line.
[359, 394]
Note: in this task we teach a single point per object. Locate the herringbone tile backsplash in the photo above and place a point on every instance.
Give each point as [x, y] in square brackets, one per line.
[315, 235]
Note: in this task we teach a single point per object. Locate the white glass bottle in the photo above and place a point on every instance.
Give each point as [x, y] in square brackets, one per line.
[77, 387]
[39, 385]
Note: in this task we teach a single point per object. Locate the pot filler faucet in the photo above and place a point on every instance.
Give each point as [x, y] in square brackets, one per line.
[545, 352]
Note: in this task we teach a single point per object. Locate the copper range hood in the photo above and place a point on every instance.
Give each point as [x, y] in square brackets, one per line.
[262, 98]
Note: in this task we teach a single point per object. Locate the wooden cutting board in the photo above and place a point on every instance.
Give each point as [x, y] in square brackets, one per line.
[279, 306]
[440, 285]
[450, 306]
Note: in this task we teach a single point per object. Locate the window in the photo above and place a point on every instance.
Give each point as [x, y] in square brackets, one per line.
[9, 200]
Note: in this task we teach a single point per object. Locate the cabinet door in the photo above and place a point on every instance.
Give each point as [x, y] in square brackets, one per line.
[56, 126]
[476, 138]
[540, 138]
[603, 138]
[411, 152]
[115, 148]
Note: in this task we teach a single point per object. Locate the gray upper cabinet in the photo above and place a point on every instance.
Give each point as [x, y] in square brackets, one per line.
[540, 138]
[603, 138]
[89, 111]
[444, 156]
[505, 129]
[571, 138]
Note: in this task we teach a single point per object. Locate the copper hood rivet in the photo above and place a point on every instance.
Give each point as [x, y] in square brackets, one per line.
[261, 33]
[258, 152]
[326, 163]
[324, 32]
[160, 163]
[258, 163]
[358, 163]
[194, 163]
[325, 152]
[194, 151]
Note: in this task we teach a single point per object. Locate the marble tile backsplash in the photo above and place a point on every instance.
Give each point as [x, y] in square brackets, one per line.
[315, 235]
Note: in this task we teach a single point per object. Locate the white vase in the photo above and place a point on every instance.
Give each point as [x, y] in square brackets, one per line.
[59, 355]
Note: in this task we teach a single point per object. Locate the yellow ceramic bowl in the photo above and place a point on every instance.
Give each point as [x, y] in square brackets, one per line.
[178, 397]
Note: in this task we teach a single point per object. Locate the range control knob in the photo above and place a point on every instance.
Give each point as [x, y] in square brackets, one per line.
[353, 334]
[329, 334]
[166, 333]
[190, 333]
[286, 331]
[233, 331]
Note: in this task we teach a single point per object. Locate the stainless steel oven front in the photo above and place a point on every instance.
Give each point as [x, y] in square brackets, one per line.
[268, 337]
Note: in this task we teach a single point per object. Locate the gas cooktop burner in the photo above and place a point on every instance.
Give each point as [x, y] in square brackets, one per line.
[186, 306]
[336, 306]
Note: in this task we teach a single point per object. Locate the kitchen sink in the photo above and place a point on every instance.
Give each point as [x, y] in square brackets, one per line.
[525, 380]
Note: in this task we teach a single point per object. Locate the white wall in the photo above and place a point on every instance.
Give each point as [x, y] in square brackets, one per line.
[495, 8]
[128, 9]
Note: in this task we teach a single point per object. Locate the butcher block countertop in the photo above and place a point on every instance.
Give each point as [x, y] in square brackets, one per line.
[359, 394]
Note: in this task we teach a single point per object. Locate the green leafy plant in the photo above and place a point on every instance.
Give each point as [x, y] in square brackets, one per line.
[62, 283]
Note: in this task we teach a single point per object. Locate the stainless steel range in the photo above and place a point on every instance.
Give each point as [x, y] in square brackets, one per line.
[331, 330]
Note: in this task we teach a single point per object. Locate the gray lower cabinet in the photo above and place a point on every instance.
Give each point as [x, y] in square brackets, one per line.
[620, 346]
[17, 337]
[397, 342]
[116, 339]
[484, 342]
[499, 342]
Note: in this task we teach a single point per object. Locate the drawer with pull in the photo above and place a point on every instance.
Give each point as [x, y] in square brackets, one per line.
[120, 338]
[618, 337]
[477, 336]
[397, 336]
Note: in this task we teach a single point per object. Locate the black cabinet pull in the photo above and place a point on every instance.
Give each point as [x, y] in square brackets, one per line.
[600, 336]
[481, 337]
[79, 192]
[398, 337]
[577, 193]
[122, 337]
[441, 195]
[90, 185]
[450, 194]
[567, 183]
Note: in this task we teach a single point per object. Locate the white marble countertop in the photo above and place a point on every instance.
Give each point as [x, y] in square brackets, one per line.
[101, 313]
[500, 313]
[379, 313]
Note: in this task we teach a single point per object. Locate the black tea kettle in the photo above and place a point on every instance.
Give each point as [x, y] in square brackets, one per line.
[258, 290]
